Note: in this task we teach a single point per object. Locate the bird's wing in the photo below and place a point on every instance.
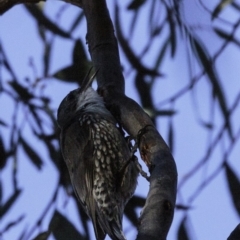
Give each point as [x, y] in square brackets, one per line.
[77, 150]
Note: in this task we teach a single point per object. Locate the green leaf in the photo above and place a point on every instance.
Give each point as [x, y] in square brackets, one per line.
[234, 186]
[63, 229]
[208, 66]
[135, 4]
[221, 5]
[172, 37]
[8, 204]
[182, 233]
[44, 21]
[33, 156]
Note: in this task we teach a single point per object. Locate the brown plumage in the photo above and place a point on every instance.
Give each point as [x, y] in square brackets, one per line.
[97, 157]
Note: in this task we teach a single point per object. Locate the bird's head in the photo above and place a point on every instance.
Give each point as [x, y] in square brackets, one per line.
[80, 100]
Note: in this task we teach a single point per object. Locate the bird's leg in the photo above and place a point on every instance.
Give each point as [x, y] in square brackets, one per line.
[133, 158]
[139, 167]
[134, 148]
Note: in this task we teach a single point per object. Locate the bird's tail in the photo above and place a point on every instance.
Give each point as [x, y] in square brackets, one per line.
[112, 227]
[116, 232]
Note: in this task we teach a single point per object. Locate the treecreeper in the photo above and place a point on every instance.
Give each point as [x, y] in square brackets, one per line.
[98, 159]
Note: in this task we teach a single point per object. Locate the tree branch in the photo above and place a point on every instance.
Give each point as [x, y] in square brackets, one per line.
[157, 214]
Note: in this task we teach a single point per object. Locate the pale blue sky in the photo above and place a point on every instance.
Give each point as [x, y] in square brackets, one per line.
[212, 214]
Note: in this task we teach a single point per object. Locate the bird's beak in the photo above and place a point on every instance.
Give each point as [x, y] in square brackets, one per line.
[87, 81]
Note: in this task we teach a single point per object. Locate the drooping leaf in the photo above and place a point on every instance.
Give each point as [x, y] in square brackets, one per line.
[166, 112]
[74, 73]
[79, 68]
[3, 123]
[135, 4]
[8, 204]
[171, 135]
[157, 30]
[22, 234]
[133, 23]
[159, 113]
[234, 186]
[226, 36]
[45, 21]
[218, 92]
[172, 30]
[162, 52]
[132, 58]
[42, 236]
[144, 90]
[63, 229]
[79, 55]
[46, 57]
[221, 5]
[3, 154]
[207, 125]
[77, 21]
[32, 154]
[22, 91]
[152, 19]
[182, 233]
[1, 191]
[182, 207]
[12, 224]
[222, 34]
[6, 63]
[35, 115]
[236, 5]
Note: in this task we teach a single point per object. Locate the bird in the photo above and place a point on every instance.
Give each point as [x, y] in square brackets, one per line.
[98, 158]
